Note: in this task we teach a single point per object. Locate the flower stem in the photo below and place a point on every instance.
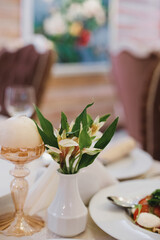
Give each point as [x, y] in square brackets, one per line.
[77, 164]
[74, 163]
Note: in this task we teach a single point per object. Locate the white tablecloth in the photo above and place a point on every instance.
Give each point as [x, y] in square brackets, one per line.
[92, 232]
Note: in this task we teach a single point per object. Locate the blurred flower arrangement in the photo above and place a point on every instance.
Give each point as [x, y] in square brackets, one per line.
[76, 145]
[71, 23]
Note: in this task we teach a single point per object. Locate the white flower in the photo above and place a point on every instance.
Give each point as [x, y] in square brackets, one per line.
[56, 133]
[54, 152]
[71, 126]
[68, 143]
[68, 157]
[98, 135]
[55, 24]
[96, 125]
[53, 149]
[93, 8]
[91, 150]
[75, 11]
[100, 17]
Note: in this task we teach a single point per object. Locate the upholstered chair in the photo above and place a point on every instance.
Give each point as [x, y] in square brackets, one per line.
[24, 66]
[138, 83]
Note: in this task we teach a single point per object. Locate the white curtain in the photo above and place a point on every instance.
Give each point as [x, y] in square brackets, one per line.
[135, 26]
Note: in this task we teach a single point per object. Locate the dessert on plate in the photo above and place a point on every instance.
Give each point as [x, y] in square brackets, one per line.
[147, 212]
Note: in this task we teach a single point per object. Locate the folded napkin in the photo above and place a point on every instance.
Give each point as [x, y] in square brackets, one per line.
[42, 191]
[117, 150]
[90, 181]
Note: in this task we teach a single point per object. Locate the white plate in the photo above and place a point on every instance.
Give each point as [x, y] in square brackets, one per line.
[114, 220]
[135, 164]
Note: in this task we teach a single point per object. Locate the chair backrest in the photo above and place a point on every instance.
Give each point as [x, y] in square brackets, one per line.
[25, 66]
[151, 113]
[135, 78]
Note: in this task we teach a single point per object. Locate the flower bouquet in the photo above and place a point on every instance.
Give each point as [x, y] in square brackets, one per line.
[76, 145]
[73, 147]
[71, 26]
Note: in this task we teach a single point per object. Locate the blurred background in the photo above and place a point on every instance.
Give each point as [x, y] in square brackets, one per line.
[74, 52]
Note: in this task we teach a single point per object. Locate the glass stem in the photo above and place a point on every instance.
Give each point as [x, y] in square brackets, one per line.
[19, 188]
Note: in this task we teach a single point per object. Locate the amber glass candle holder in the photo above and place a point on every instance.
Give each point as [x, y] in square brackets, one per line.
[17, 223]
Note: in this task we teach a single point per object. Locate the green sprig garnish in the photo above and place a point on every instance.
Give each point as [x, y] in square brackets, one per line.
[155, 199]
[139, 207]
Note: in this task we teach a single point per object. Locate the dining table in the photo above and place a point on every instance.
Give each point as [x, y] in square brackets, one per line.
[92, 232]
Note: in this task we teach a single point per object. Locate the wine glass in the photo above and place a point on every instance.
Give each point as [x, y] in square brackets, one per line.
[19, 100]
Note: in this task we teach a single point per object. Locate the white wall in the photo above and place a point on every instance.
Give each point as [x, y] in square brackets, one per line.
[26, 19]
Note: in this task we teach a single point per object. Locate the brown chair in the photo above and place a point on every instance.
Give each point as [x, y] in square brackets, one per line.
[138, 82]
[24, 66]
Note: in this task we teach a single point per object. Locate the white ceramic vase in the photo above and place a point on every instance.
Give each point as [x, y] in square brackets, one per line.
[67, 214]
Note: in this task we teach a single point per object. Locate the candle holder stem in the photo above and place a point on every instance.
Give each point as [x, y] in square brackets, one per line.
[17, 223]
[19, 188]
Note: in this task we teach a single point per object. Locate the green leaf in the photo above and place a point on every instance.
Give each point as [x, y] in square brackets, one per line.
[89, 120]
[102, 143]
[64, 123]
[108, 134]
[45, 124]
[63, 168]
[155, 200]
[55, 156]
[47, 134]
[71, 161]
[84, 120]
[81, 118]
[156, 193]
[86, 160]
[93, 137]
[85, 140]
[46, 139]
[104, 118]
